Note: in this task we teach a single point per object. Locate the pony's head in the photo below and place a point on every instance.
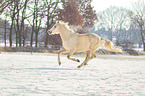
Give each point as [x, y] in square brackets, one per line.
[54, 29]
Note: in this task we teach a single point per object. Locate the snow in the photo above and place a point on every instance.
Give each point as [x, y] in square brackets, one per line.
[40, 75]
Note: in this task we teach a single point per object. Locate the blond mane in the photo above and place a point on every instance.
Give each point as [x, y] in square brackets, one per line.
[67, 26]
[74, 28]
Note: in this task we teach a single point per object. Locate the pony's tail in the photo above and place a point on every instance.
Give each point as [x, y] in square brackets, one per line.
[109, 45]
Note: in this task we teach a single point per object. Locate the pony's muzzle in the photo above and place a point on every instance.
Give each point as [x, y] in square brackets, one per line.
[49, 32]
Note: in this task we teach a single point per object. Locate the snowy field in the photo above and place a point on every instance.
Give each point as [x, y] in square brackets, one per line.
[40, 75]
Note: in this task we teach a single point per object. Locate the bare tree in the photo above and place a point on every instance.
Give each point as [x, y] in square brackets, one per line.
[4, 4]
[23, 17]
[12, 14]
[138, 17]
[38, 11]
[43, 11]
[4, 28]
[51, 11]
[112, 19]
[39, 15]
[17, 13]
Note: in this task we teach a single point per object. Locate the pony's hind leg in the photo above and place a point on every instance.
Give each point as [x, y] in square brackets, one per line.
[71, 53]
[86, 59]
[93, 54]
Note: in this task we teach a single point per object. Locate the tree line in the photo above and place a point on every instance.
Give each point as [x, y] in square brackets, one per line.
[27, 18]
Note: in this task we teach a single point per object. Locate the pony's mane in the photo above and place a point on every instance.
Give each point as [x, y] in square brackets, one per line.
[67, 26]
[73, 28]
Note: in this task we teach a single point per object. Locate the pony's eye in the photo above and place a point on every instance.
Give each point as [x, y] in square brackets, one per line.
[54, 26]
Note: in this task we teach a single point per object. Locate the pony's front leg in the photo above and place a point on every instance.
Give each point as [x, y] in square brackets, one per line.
[71, 53]
[61, 51]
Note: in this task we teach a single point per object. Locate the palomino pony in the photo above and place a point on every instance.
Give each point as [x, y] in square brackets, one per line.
[75, 42]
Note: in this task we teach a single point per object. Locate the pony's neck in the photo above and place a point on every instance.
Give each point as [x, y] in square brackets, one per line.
[66, 33]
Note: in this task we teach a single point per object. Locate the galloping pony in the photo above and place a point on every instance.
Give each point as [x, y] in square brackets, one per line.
[75, 42]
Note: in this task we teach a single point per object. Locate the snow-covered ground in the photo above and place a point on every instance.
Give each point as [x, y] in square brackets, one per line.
[40, 75]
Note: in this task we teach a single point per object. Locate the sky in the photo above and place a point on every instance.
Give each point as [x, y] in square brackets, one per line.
[100, 5]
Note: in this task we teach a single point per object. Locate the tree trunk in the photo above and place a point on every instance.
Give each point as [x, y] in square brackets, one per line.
[11, 30]
[142, 36]
[144, 46]
[37, 32]
[24, 38]
[5, 35]
[36, 29]
[36, 39]
[16, 38]
[31, 43]
[17, 21]
[16, 34]
[34, 17]
[17, 31]
[46, 38]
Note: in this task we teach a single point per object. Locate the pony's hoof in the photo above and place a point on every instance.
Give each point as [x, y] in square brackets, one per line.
[78, 60]
[79, 67]
[59, 63]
